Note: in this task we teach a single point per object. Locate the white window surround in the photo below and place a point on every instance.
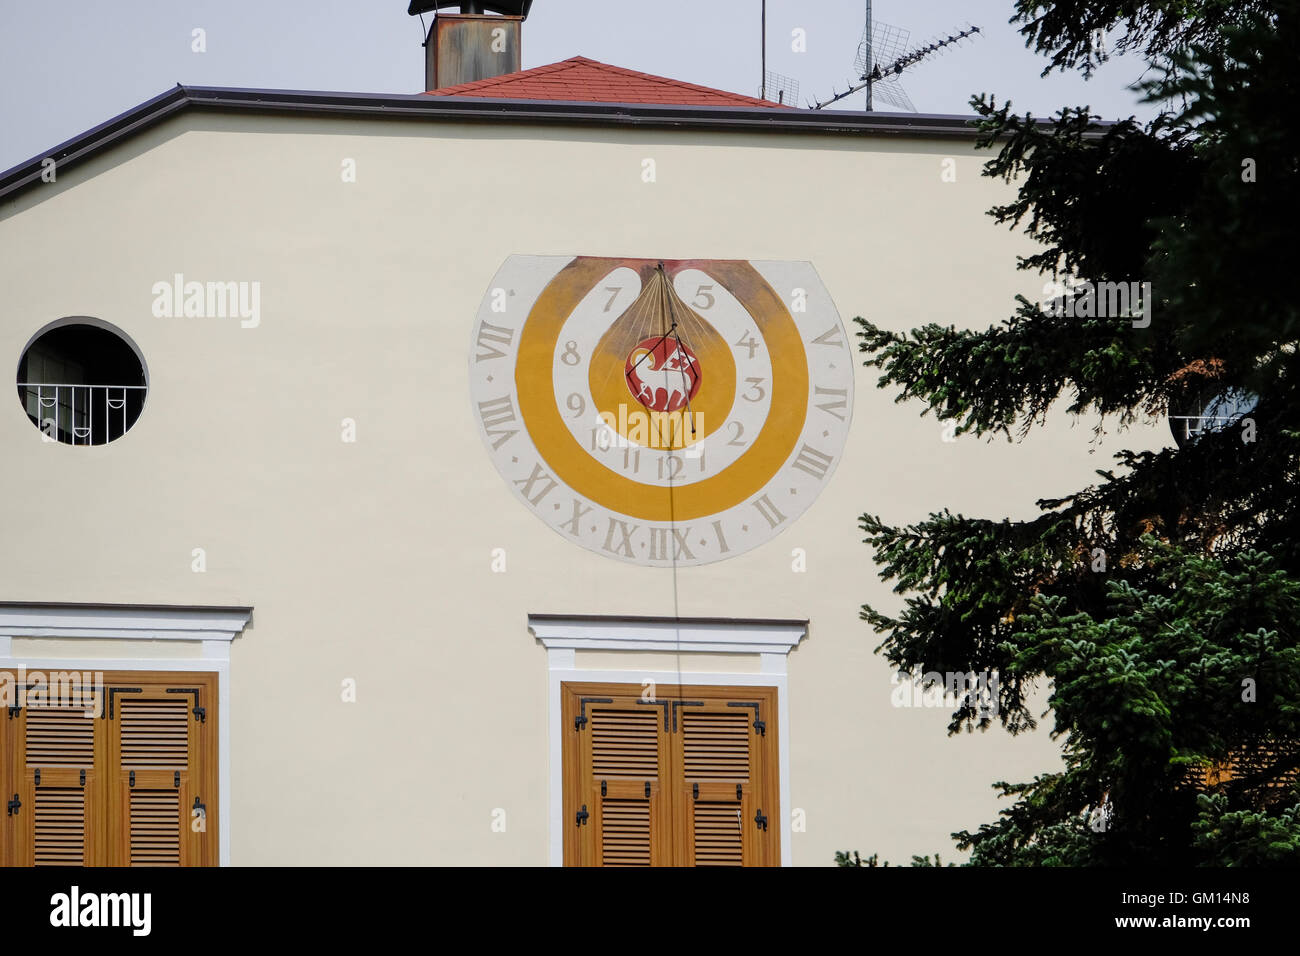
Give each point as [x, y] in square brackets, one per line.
[564, 636]
[213, 627]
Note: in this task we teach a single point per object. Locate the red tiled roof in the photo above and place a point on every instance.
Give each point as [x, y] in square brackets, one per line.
[583, 80]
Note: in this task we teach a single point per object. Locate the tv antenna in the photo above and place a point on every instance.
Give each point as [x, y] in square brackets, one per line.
[780, 89]
[883, 55]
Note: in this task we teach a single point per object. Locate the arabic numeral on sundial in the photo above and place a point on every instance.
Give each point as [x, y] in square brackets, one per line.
[613, 291]
[747, 341]
[675, 466]
[738, 429]
[632, 459]
[600, 440]
[570, 355]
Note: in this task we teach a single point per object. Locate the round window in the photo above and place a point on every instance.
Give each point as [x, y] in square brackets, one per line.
[1211, 410]
[82, 383]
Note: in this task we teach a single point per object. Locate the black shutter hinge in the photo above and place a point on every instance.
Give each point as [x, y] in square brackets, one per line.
[738, 793]
[14, 709]
[176, 779]
[580, 718]
[604, 788]
[695, 790]
[647, 789]
[14, 804]
[37, 781]
[83, 778]
[760, 820]
[200, 808]
[202, 714]
[759, 724]
[582, 814]
[133, 778]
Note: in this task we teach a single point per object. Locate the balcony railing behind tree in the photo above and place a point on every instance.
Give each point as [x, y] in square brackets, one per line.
[82, 414]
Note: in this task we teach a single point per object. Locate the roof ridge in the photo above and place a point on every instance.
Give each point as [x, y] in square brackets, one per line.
[531, 90]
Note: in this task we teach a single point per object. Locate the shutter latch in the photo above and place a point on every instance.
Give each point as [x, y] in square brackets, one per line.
[582, 814]
[37, 781]
[14, 804]
[760, 820]
[202, 714]
[133, 778]
[83, 778]
[199, 809]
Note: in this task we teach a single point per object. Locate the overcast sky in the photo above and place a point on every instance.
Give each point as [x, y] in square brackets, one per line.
[66, 67]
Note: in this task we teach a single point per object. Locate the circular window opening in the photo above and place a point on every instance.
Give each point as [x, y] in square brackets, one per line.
[1211, 410]
[81, 384]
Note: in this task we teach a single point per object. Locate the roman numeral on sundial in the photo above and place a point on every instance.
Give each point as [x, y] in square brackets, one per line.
[489, 337]
[494, 412]
[813, 462]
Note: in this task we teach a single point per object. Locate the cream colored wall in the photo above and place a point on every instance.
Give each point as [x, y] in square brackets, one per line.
[371, 560]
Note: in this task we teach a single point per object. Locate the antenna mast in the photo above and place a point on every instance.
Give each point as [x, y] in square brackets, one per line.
[866, 39]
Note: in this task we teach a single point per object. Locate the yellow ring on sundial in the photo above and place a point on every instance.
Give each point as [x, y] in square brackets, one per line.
[589, 477]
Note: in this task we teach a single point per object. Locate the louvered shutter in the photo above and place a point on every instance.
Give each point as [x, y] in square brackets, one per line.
[687, 779]
[622, 761]
[720, 756]
[54, 780]
[154, 748]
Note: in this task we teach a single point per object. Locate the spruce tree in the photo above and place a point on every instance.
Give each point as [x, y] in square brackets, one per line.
[1161, 601]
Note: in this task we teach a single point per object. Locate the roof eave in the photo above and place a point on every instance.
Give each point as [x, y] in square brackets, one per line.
[472, 109]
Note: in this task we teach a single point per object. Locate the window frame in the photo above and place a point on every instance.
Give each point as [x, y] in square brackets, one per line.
[563, 636]
[213, 627]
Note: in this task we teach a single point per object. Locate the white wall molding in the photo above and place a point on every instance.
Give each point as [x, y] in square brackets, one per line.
[123, 622]
[706, 635]
[213, 627]
[564, 636]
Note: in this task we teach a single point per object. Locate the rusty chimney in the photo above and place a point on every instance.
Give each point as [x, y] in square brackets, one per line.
[472, 44]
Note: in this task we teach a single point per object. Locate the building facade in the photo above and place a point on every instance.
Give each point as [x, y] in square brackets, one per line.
[372, 571]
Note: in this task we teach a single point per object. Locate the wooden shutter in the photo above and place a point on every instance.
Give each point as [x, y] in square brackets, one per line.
[154, 748]
[684, 779]
[619, 744]
[717, 787]
[53, 776]
[117, 787]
